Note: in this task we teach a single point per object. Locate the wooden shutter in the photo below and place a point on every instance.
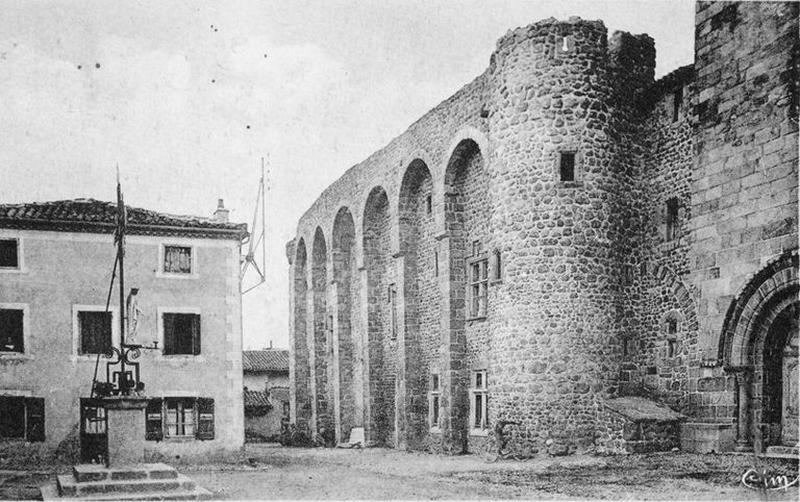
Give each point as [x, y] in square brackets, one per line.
[196, 334]
[169, 334]
[34, 407]
[205, 418]
[154, 430]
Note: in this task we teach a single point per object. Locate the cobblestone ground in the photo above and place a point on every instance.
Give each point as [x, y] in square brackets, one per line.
[281, 473]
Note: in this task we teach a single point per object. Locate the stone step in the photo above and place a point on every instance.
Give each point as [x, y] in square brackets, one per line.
[69, 487]
[50, 492]
[94, 472]
[784, 450]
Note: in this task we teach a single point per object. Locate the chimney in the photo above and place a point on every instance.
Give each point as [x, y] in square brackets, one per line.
[221, 214]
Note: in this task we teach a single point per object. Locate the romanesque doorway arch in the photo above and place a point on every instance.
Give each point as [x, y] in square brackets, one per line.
[759, 345]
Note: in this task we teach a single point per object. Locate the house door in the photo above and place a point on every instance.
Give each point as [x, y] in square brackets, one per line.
[791, 414]
[94, 438]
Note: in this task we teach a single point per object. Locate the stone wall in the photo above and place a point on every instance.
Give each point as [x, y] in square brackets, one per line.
[614, 283]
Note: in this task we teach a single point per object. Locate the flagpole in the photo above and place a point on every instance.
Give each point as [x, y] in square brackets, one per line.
[121, 257]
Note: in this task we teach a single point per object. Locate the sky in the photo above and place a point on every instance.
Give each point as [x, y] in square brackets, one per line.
[188, 96]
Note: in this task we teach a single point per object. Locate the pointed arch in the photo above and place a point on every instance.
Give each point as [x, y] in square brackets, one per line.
[467, 224]
[301, 366]
[380, 367]
[420, 300]
[323, 399]
[344, 272]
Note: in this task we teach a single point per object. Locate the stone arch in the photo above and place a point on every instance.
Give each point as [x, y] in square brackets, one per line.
[322, 325]
[302, 369]
[344, 273]
[380, 368]
[419, 296]
[752, 339]
[467, 227]
[680, 292]
[775, 280]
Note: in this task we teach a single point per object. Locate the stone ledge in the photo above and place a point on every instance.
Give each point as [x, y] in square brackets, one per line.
[639, 409]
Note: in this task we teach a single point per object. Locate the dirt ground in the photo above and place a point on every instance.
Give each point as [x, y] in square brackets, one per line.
[296, 473]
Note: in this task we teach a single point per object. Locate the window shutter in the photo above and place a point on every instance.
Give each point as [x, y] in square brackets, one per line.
[196, 334]
[154, 430]
[205, 420]
[35, 409]
[169, 333]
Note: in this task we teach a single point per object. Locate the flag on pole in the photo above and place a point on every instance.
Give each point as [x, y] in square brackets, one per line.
[122, 218]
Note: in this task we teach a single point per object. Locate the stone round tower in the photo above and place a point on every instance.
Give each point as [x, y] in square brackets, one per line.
[560, 207]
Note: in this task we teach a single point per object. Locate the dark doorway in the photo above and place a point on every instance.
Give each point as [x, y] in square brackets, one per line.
[779, 405]
[94, 438]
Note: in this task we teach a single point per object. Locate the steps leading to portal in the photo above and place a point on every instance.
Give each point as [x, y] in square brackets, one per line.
[137, 482]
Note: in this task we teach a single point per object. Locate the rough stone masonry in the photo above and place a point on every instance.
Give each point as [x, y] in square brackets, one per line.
[562, 232]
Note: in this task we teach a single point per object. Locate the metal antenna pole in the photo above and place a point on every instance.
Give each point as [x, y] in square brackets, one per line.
[264, 219]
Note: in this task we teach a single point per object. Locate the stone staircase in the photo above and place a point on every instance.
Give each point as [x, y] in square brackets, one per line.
[138, 482]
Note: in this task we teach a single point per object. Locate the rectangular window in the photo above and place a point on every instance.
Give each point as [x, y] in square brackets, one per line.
[94, 330]
[478, 287]
[177, 259]
[181, 334]
[434, 401]
[566, 165]
[22, 418]
[180, 417]
[428, 204]
[479, 398]
[436, 263]
[9, 253]
[393, 307]
[11, 330]
[671, 220]
[677, 101]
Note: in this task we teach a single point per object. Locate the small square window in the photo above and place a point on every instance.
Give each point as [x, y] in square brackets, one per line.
[478, 291]
[672, 326]
[393, 307]
[434, 402]
[11, 330]
[181, 334]
[177, 259]
[9, 253]
[479, 401]
[94, 331]
[566, 165]
[677, 101]
[671, 220]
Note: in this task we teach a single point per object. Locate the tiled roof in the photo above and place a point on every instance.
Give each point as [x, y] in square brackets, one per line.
[256, 399]
[265, 360]
[95, 216]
